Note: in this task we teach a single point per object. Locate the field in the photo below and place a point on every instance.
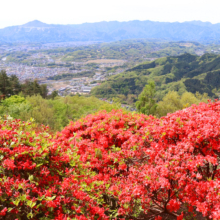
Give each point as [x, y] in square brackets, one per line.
[186, 44]
[105, 61]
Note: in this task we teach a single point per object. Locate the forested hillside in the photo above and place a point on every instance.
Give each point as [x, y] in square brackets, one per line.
[183, 73]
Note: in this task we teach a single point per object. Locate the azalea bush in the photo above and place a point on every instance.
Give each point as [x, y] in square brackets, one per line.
[113, 165]
[38, 179]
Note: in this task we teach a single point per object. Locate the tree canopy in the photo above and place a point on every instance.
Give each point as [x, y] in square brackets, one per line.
[173, 102]
[146, 103]
[56, 112]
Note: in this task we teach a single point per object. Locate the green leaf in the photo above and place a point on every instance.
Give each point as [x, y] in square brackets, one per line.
[12, 143]
[41, 198]
[72, 163]
[31, 178]
[30, 215]
[31, 203]
[9, 209]
[23, 197]
[17, 202]
[148, 177]
[40, 164]
[51, 198]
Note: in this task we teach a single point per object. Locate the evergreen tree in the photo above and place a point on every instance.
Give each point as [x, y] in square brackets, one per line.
[15, 85]
[30, 88]
[53, 94]
[5, 87]
[44, 90]
[146, 103]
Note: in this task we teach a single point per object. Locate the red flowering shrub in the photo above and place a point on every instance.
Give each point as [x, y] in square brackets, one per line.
[38, 179]
[114, 165]
[165, 167]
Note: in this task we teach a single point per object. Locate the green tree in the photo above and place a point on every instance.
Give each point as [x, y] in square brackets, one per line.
[15, 99]
[172, 102]
[15, 106]
[41, 111]
[202, 97]
[5, 87]
[44, 90]
[53, 95]
[15, 85]
[57, 112]
[146, 103]
[30, 88]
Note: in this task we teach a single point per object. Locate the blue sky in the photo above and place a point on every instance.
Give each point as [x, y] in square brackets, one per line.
[17, 12]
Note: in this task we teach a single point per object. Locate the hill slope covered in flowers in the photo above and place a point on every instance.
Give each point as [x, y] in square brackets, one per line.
[113, 165]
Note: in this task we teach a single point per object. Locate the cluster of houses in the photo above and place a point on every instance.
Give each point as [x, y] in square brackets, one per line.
[44, 67]
[24, 72]
[84, 89]
[44, 46]
[99, 77]
[82, 85]
[79, 85]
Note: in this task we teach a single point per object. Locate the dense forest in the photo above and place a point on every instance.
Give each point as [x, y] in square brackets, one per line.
[183, 73]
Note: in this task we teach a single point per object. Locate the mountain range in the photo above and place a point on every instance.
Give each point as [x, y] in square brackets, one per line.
[39, 32]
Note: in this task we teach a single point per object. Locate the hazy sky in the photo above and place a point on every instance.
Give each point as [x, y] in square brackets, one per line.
[16, 12]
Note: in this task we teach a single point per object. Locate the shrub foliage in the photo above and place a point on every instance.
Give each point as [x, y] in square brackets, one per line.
[113, 165]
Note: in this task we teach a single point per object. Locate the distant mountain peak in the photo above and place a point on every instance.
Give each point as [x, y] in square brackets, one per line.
[35, 23]
[37, 31]
[199, 23]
